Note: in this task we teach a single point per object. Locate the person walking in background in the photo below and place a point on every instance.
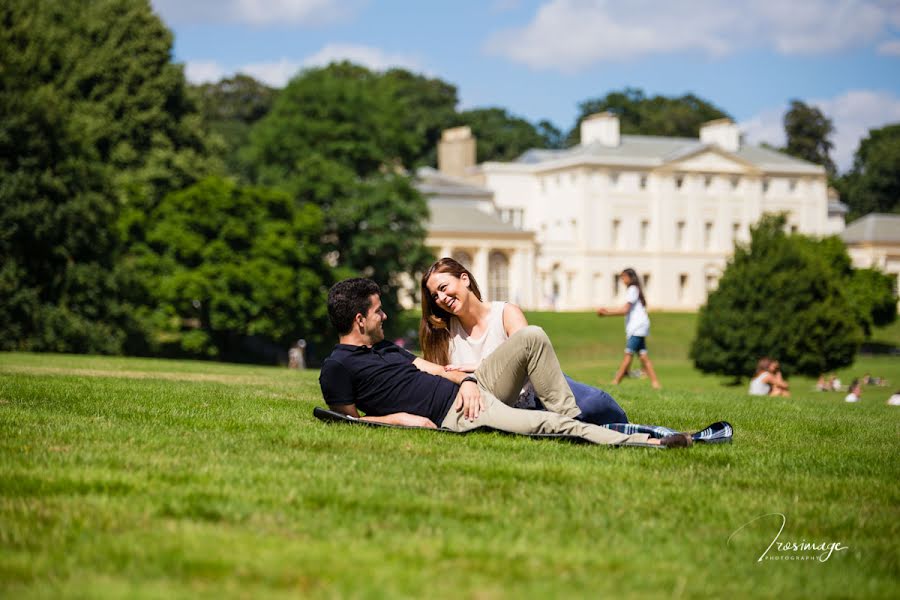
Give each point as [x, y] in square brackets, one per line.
[637, 327]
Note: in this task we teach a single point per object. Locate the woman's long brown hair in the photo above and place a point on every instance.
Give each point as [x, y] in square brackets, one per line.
[434, 329]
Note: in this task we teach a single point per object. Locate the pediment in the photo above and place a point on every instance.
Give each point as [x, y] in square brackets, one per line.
[710, 160]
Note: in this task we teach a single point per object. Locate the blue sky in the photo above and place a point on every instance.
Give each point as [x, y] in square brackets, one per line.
[540, 58]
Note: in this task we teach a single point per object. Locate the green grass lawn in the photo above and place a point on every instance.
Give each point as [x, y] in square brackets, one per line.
[151, 478]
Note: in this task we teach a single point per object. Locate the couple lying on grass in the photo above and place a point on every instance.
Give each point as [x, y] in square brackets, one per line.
[486, 378]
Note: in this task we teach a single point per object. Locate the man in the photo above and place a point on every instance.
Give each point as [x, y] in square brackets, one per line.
[393, 386]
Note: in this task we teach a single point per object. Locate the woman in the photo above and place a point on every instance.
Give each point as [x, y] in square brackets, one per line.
[458, 330]
[768, 380]
[637, 326]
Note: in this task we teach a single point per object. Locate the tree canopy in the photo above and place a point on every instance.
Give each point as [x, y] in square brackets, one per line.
[232, 263]
[502, 136]
[873, 184]
[779, 297]
[643, 115]
[808, 133]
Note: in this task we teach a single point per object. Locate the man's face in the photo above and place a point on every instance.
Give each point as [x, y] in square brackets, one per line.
[373, 320]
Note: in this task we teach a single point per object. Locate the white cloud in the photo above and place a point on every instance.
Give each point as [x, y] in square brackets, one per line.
[890, 48]
[256, 12]
[278, 73]
[853, 114]
[367, 56]
[274, 74]
[203, 71]
[569, 35]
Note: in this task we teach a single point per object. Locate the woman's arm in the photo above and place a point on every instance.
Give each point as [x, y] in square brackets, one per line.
[609, 312]
[513, 319]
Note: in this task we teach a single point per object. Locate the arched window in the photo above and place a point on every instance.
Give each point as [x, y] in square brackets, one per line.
[498, 276]
[463, 258]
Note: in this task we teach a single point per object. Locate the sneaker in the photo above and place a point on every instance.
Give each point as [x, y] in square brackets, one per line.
[677, 440]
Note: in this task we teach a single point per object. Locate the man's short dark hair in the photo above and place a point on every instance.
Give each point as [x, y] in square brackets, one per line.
[348, 298]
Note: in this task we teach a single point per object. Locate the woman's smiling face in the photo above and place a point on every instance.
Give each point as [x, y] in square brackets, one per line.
[450, 293]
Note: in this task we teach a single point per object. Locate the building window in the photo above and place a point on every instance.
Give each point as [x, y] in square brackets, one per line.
[679, 181]
[643, 182]
[735, 231]
[707, 181]
[616, 226]
[645, 233]
[614, 178]
[735, 182]
[792, 185]
[707, 234]
[463, 258]
[765, 185]
[646, 283]
[615, 284]
[794, 229]
[711, 282]
[682, 286]
[679, 234]
[498, 276]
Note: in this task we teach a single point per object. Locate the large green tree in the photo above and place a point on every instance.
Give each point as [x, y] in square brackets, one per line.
[643, 115]
[96, 127]
[777, 298]
[873, 184]
[230, 107]
[234, 264]
[808, 133]
[335, 137]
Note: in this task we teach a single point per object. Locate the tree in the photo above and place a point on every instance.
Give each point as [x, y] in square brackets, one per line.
[501, 136]
[659, 115]
[776, 298]
[229, 108]
[427, 107]
[873, 184]
[236, 263]
[808, 134]
[335, 137]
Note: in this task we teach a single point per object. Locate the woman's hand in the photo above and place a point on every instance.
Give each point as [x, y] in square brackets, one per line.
[602, 312]
[464, 368]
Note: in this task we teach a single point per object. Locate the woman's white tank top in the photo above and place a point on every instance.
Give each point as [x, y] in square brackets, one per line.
[464, 349]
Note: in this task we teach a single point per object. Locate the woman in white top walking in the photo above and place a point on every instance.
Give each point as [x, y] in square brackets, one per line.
[637, 327]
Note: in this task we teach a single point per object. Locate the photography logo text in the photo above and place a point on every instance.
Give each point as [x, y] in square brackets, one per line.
[784, 549]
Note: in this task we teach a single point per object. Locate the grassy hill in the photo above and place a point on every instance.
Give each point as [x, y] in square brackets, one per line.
[151, 478]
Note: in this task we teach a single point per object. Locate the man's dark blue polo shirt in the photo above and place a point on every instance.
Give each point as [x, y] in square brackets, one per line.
[382, 380]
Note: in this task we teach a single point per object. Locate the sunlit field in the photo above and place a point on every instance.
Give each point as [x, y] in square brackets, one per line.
[151, 478]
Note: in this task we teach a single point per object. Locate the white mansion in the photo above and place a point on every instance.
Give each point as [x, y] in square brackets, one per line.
[553, 228]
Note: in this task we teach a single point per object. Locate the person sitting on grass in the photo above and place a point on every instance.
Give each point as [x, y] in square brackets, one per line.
[855, 394]
[458, 330]
[768, 380]
[394, 386]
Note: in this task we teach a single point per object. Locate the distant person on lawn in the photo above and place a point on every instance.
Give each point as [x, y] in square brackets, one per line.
[393, 386]
[637, 326]
[768, 380]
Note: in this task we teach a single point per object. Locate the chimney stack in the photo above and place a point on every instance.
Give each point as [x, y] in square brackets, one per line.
[601, 127]
[456, 151]
[723, 133]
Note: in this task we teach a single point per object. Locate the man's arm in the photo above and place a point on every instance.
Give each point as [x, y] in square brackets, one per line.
[407, 419]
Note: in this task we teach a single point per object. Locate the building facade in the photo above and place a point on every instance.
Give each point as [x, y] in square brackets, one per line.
[874, 242]
[671, 208]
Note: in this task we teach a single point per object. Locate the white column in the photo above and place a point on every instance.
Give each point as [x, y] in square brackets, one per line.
[480, 270]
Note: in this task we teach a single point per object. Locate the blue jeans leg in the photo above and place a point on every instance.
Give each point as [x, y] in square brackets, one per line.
[596, 406]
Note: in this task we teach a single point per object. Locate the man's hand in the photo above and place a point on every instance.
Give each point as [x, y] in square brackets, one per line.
[406, 419]
[469, 400]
